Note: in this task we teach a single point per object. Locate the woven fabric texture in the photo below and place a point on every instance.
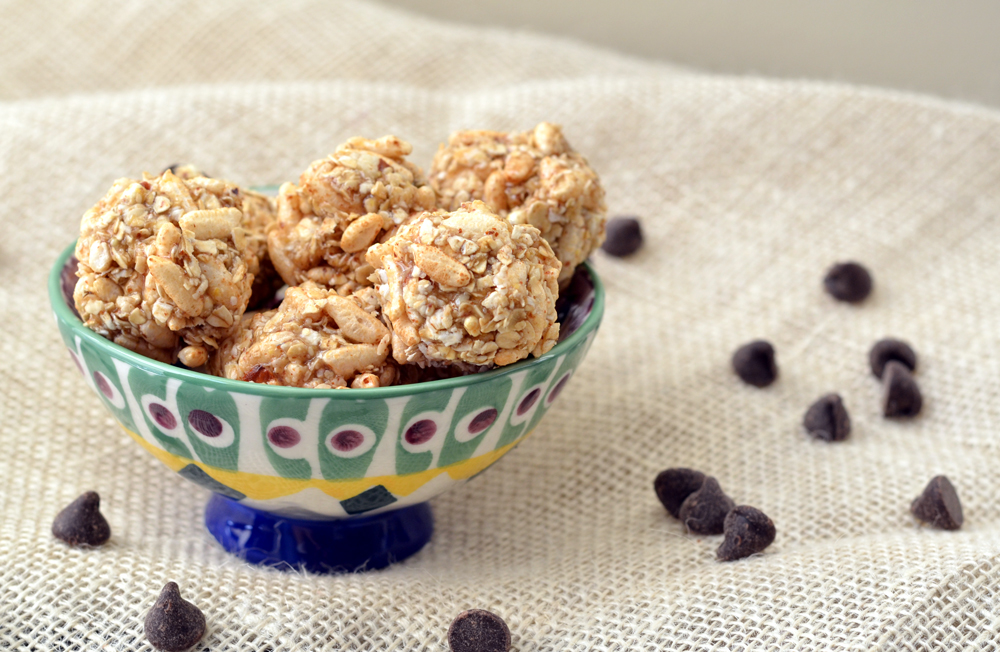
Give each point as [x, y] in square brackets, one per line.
[748, 190]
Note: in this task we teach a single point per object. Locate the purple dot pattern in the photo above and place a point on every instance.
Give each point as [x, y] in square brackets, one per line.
[205, 423]
[528, 401]
[557, 390]
[104, 385]
[346, 440]
[76, 361]
[283, 436]
[162, 416]
[420, 432]
[482, 421]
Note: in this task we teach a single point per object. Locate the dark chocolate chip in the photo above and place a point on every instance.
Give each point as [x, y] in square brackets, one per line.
[173, 624]
[827, 419]
[754, 363]
[624, 236]
[889, 349]
[848, 282]
[939, 505]
[674, 485]
[748, 531]
[81, 522]
[477, 630]
[704, 511]
[902, 397]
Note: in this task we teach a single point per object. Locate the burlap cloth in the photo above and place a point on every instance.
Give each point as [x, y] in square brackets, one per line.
[748, 190]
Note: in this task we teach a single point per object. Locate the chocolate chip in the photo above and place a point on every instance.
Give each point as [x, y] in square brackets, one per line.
[902, 397]
[704, 511]
[889, 349]
[624, 236]
[748, 531]
[674, 485]
[939, 505]
[827, 419]
[754, 363]
[173, 624]
[81, 522]
[477, 630]
[848, 282]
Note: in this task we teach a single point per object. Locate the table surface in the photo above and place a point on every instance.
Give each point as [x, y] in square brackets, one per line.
[748, 189]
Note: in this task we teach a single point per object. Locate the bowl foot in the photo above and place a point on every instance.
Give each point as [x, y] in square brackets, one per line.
[331, 546]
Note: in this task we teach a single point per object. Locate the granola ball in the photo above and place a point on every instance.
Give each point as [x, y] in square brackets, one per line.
[467, 286]
[344, 203]
[315, 339]
[259, 216]
[164, 259]
[533, 177]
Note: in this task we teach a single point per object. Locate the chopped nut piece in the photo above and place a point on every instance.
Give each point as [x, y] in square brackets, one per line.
[158, 258]
[533, 177]
[315, 339]
[467, 287]
[193, 356]
[356, 196]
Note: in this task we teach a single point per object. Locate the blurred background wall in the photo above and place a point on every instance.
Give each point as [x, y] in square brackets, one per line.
[950, 49]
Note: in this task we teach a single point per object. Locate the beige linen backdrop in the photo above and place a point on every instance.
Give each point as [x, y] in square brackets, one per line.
[748, 189]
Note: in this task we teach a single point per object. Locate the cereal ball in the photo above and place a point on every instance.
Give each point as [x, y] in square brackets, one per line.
[163, 259]
[259, 216]
[533, 178]
[315, 339]
[467, 286]
[344, 203]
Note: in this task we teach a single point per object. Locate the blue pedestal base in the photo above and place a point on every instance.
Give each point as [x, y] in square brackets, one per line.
[333, 546]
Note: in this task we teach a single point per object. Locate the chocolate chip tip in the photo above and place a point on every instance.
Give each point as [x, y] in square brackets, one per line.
[747, 531]
[901, 398]
[704, 511]
[478, 630]
[939, 505]
[891, 349]
[849, 281]
[174, 624]
[673, 486]
[81, 524]
[755, 363]
[623, 236]
[827, 418]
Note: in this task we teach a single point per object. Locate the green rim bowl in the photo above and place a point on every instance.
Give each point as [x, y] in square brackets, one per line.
[323, 454]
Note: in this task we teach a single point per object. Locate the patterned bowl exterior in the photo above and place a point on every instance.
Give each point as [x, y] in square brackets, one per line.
[324, 453]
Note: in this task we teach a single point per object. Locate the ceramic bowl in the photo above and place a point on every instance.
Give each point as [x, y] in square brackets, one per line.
[328, 462]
